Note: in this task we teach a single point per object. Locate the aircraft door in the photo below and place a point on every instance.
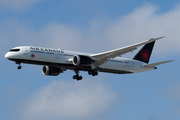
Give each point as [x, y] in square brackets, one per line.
[25, 52]
[57, 55]
[126, 63]
[132, 64]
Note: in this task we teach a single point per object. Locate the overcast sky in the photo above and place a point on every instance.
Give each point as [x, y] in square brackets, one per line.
[91, 26]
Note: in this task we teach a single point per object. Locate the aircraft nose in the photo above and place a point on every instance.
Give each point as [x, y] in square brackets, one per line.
[7, 55]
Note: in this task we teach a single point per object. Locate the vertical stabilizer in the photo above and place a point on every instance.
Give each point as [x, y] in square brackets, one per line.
[145, 53]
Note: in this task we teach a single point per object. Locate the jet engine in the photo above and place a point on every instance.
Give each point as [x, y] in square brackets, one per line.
[82, 60]
[51, 71]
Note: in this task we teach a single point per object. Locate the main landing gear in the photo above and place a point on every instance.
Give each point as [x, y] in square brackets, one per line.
[19, 63]
[77, 77]
[93, 73]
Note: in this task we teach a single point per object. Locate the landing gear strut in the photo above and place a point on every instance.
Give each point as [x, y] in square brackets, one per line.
[77, 77]
[19, 63]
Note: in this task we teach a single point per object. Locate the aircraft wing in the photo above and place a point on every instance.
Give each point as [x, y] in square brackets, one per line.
[102, 58]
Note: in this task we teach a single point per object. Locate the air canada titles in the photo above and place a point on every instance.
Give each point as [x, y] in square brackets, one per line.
[46, 49]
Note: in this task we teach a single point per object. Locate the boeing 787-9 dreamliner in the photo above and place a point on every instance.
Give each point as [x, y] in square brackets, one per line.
[56, 61]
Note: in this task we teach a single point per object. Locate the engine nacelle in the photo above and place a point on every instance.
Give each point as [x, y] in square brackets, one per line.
[51, 71]
[82, 60]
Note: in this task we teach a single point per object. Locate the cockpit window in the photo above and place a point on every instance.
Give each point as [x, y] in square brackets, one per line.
[14, 50]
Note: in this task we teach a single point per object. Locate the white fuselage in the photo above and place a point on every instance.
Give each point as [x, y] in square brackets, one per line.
[61, 59]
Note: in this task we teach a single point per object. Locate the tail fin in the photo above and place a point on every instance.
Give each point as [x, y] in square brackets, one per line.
[145, 53]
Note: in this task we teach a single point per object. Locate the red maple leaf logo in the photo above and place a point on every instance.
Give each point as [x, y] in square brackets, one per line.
[145, 55]
[32, 55]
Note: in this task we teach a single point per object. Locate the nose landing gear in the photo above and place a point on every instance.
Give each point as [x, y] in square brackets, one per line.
[19, 63]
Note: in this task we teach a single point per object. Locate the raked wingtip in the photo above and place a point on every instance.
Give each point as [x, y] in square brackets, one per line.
[154, 39]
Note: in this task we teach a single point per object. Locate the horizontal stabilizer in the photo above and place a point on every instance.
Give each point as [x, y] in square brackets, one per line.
[159, 63]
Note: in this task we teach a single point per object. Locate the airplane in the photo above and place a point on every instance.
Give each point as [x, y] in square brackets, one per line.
[56, 61]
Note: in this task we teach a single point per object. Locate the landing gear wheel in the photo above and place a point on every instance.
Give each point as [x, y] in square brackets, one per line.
[74, 77]
[19, 67]
[90, 72]
[80, 77]
[77, 77]
[93, 73]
